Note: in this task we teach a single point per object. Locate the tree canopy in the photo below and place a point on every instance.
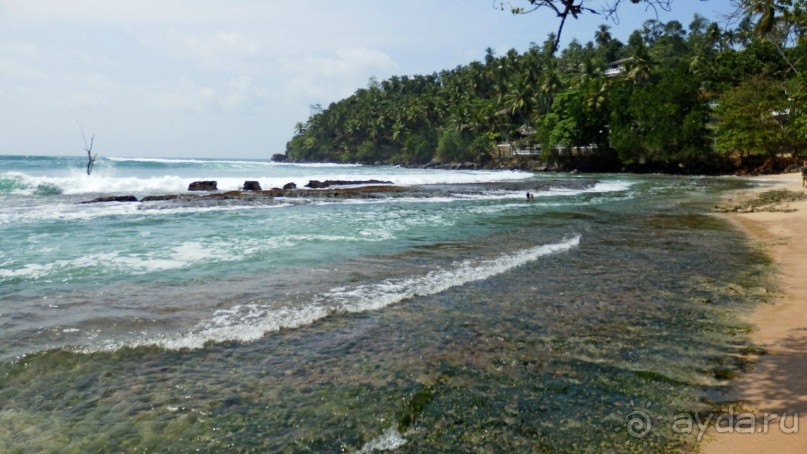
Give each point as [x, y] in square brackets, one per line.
[678, 98]
[564, 9]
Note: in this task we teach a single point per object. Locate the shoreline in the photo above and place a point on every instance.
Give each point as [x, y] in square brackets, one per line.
[776, 387]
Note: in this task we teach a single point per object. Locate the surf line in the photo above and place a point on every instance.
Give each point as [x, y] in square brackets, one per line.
[250, 322]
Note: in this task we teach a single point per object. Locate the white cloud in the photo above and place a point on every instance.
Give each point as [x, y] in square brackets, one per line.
[244, 96]
[156, 76]
[13, 68]
[327, 78]
[111, 11]
[238, 95]
[187, 96]
[217, 47]
[19, 48]
[15, 57]
[88, 100]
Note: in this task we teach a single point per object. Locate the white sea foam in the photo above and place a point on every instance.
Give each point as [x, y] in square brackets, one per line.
[249, 322]
[244, 323]
[106, 180]
[456, 177]
[177, 257]
[184, 255]
[228, 162]
[597, 188]
[64, 212]
[30, 270]
[67, 212]
[379, 295]
[407, 177]
[492, 195]
[390, 440]
[77, 182]
[495, 209]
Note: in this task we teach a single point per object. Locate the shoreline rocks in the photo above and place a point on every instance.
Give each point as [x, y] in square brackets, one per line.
[114, 198]
[258, 195]
[316, 184]
[252, 186]
[203, 186]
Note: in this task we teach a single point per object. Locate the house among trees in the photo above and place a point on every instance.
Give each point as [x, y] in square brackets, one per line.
[616, 68]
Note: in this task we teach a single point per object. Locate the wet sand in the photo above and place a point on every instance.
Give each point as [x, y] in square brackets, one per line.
[778, 383]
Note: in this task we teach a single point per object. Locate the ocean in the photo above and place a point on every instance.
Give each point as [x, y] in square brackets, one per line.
[453, 315]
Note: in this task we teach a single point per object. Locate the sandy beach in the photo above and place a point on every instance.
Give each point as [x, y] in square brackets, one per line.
[776, 387]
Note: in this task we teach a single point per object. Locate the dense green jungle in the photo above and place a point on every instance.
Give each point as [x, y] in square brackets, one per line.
[702, 98]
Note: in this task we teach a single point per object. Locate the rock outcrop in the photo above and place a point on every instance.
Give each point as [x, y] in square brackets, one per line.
[203, 186]
[252, 186]
[316, 184]
[161, 198]
[114, 198]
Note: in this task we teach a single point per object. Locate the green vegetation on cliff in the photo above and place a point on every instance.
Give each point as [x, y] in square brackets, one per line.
[694, 99]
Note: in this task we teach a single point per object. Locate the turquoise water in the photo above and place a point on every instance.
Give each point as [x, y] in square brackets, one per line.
[453, 315]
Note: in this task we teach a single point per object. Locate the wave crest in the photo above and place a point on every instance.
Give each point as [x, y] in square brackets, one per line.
[250, 322]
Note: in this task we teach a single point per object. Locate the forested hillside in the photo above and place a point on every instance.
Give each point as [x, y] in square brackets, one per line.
[694, 98]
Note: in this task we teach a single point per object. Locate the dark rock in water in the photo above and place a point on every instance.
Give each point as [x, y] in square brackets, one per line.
[230, 195]
[114, 198]
[161, 198]
[316, 184]
[252, 186]
[279, 157]
[289, 186]
[203, 186]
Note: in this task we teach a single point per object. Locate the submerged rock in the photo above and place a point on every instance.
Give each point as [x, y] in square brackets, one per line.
[316, 184]
[203, 186]
[160, 198]
[252, 186]
[114, 198]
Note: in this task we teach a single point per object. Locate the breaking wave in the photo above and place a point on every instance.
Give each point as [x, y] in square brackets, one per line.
[249, 322]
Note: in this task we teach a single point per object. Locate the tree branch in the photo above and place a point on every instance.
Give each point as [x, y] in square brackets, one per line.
[87, 147]
[565, 8]
[90, 157]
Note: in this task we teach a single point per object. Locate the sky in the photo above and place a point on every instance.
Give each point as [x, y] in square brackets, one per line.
[229, 79]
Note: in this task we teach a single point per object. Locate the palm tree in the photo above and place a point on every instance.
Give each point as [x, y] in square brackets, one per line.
[713, 35]
[640, 66]
[519, 99]
[766, 10]
[602, 36]
[490, 56]
[549, 86]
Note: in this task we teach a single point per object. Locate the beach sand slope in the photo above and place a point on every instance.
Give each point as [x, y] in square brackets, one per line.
[777, 387]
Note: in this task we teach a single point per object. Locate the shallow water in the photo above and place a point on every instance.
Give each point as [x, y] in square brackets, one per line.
[455, 316]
